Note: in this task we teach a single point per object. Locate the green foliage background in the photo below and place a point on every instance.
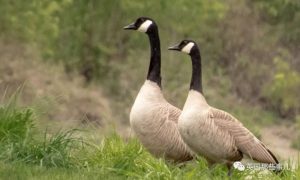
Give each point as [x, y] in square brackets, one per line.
[249, 48]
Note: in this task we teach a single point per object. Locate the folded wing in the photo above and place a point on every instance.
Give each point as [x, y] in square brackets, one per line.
[245, 141]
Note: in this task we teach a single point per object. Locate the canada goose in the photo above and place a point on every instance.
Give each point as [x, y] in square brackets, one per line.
[210, 132]
[152, 118]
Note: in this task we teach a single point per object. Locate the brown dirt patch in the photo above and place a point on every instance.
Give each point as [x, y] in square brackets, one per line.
[278, 139]
[57, 96]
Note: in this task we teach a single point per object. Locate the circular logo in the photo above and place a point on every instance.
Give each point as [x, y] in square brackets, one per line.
[239, 166]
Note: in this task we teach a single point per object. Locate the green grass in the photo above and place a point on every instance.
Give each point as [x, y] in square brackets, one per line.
[25, 153]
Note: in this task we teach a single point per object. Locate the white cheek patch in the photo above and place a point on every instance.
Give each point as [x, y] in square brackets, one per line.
[187, 48]
[144, 27]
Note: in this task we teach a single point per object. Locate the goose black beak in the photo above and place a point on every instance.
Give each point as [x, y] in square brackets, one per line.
[175, 47]
[130, 27]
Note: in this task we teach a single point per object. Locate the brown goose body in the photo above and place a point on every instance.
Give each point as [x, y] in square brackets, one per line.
[152, 118]
[217, 135]
[154, 122]
[210, 132]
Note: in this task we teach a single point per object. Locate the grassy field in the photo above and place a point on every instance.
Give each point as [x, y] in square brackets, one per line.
[27, 152]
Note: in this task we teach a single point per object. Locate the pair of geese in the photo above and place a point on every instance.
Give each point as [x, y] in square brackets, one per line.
[166, 131]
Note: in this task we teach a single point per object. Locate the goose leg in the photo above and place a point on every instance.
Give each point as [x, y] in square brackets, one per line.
[229, 166]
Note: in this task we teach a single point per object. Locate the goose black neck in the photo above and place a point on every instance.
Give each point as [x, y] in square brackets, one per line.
[155, 62]
[196, 81]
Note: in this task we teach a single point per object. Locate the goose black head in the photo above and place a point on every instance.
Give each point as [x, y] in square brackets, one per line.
[142, 24]
[186, 46]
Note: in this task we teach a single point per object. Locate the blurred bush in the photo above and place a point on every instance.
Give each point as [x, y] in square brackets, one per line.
[239, 41]
[264, 70]
[283, 14]
[283, 91]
